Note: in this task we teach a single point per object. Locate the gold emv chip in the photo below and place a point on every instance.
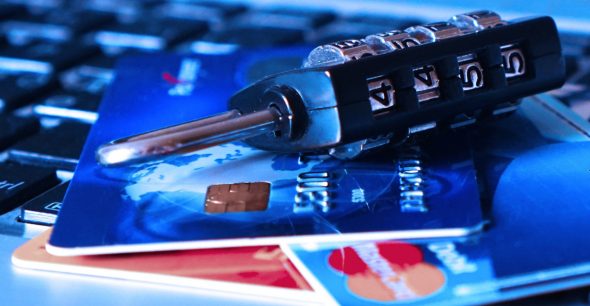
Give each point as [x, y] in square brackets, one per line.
[225, 198]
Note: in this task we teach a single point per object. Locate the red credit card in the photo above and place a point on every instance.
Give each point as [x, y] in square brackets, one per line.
[260, 271]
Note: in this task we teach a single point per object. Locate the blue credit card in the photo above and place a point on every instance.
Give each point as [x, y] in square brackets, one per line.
[185, 201]
[537, 172]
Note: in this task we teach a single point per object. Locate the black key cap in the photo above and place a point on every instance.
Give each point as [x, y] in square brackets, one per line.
[36, 5]
[571, 65]
[19, 183]
[93, 76]
[12, 10]
[123, 9]
[574, 44]
[58, 147]
[344, 29]
[255, 37]
[584, 80]
[291, 17]
[259, 69]
[578, 70]
[391, 23]
[19, 90]
[150, 36]
[279, 19]
[78, 106]
[14, 128]
[45, 57]
[209, 12]
[43, 209]
[208, 47]
[358, 27]
[229, 8]
[54, 25]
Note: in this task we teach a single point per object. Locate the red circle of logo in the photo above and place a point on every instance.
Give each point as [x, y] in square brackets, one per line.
[387, 271]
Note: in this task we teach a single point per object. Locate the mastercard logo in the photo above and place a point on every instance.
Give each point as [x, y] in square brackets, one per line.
[387, 271]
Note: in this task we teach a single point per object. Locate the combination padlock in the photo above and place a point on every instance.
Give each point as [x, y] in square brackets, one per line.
[359, 94]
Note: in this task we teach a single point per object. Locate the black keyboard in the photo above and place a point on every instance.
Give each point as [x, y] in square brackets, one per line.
[56, 61]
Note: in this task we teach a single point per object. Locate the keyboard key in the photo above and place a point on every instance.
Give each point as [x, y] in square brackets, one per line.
[209, 12]
[584, 79]
[150, 36]
[255, 37]
[289, 19]
[11, 11]
[78, 106]
[43, 209]
[19, 90]
[208, 47]
[391, 23]
[229, 8]
[93, 76]
[344, 29]
[125, 10]
[45, 57]
[35, 5]
[257, 70]
[55, 25]
[14, 128]
[57, 147]
[574, 44]
[571, 65]
[358, 27]
[19, 183]
[308, 19]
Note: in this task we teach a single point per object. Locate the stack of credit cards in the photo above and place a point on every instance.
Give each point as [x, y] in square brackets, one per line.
[474, 215]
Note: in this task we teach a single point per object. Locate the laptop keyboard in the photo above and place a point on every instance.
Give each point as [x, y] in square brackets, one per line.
[56, 61]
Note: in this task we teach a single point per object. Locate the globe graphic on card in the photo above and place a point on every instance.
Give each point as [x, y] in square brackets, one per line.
[170, 195]
[177, 196]
[228, 163]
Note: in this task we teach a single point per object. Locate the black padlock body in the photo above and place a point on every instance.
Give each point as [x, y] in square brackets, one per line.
[336, 98]
[536, 37]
